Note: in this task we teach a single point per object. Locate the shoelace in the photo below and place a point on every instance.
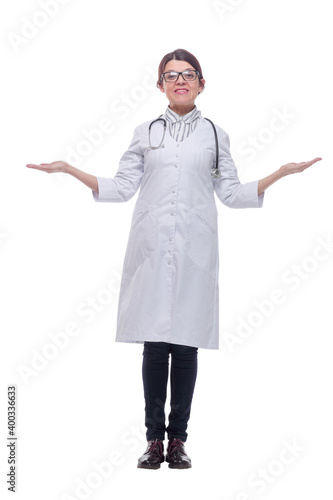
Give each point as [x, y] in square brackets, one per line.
[155, 446]
[176, 446]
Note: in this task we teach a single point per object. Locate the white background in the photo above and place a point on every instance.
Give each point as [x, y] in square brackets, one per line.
[59, 249]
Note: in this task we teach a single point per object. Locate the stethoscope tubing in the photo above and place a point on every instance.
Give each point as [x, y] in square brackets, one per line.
[161, 145]
[215, 170]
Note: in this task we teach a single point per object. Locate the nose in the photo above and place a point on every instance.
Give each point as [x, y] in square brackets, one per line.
[181, 79]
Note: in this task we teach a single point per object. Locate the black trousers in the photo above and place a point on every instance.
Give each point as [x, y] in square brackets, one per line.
[155, 372]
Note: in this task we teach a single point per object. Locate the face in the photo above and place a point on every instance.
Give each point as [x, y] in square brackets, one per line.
[181, 102]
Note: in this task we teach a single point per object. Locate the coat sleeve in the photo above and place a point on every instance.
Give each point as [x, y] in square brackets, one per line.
[227, 187]
[123, 186]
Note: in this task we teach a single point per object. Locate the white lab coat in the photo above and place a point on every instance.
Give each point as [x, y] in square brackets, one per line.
[169, 290]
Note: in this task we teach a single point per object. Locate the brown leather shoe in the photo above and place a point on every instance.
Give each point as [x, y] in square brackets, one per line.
[176, 455]
[153, 456]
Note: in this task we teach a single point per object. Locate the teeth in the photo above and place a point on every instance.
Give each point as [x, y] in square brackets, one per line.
[182, 91]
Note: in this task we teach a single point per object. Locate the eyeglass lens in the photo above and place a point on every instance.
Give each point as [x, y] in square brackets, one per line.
[172, 76]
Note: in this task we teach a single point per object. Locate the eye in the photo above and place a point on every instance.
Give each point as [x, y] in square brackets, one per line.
[189, 74]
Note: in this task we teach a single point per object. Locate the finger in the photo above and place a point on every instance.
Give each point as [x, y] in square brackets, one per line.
[313, 161]
[36, 166]
[306, 164]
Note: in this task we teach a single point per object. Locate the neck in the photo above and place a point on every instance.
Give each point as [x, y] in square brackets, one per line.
[182, 110]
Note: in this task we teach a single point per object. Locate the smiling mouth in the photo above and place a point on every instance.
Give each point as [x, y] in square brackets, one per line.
[181, 91]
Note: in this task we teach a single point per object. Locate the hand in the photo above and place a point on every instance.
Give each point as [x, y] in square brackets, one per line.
[50, 168]
[293, 168]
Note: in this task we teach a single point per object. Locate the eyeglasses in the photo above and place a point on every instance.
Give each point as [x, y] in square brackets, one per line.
[172, 76]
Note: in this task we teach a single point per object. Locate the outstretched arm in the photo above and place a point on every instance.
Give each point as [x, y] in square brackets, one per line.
[289, 168]
[119, 188]
[62, 166]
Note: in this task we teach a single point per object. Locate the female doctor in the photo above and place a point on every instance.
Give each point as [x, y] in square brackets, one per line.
[169, 293]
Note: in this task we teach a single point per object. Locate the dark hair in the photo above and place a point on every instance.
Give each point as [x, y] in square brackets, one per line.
[179, 55]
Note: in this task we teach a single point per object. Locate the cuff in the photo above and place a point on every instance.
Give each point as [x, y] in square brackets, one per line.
[252, 191]
[106, 189]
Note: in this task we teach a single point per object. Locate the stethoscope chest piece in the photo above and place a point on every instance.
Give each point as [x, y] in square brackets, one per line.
[215, 173]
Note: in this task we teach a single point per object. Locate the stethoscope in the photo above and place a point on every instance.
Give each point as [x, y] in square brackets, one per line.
[214, 171]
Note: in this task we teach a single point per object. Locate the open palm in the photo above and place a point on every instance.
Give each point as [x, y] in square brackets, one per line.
[293, 168]
[55, 166]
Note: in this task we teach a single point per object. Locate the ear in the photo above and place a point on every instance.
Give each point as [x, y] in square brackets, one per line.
[202, 84]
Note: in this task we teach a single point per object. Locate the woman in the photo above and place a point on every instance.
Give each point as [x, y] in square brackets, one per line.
[169, 292]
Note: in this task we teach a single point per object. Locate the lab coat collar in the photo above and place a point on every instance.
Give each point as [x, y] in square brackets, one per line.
[188, 118]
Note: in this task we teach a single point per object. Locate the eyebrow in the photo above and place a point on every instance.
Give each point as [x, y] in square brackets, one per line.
[178, 71]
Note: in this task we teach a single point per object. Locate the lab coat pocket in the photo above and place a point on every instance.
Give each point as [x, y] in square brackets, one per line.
[142, 238]
[202, 238]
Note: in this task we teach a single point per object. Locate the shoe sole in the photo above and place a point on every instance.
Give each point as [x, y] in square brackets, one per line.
[178, 466]
[146, 466]
[172, 466]
[152, 467]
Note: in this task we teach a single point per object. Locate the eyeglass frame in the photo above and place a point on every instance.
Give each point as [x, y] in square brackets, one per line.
[197, 74]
